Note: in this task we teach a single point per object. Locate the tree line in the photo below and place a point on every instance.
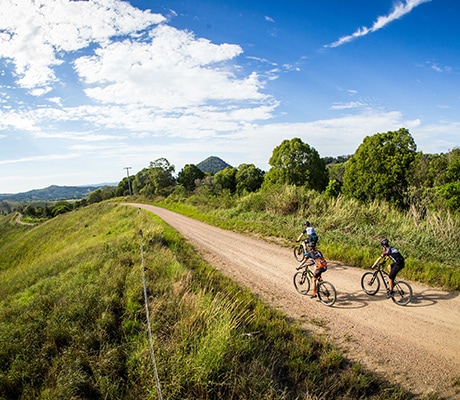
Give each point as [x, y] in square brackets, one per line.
[385, 167]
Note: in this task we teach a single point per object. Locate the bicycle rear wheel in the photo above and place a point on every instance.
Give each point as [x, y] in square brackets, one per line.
[370, 283]
[299, 253]
[402, 293]
[301, 282]
[326, 293]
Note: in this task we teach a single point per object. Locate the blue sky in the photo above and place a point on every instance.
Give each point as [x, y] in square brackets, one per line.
[88, 88]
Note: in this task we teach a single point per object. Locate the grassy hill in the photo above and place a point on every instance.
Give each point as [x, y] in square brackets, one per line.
[73, 322]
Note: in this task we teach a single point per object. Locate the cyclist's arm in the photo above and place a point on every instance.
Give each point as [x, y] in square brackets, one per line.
[378, 260]
[300, 237]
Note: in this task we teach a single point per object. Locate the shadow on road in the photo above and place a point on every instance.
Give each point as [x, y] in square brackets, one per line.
[430, 297]
[426, 298]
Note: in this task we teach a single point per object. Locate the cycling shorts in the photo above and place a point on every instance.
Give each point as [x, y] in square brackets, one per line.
[317, 273]
[395, 268]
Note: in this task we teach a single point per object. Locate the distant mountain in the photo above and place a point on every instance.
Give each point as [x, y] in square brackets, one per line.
[213, 164]
[53, 193]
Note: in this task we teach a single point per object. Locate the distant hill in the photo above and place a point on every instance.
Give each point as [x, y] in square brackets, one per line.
[53, 193]
[213, 164]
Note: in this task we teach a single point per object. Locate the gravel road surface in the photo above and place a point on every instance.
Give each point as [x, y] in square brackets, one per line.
[417, 345]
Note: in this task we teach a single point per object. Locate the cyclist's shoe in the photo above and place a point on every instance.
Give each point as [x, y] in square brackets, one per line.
[390, 293]
[313, 296]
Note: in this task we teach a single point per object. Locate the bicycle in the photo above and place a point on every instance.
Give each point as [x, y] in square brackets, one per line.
[299, 250]
[325, 290]
[370, 283]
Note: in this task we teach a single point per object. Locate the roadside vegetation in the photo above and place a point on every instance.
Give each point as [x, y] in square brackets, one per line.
[350, 231]
[73, 323]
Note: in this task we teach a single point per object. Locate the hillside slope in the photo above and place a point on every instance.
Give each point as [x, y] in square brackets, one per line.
[73, 323]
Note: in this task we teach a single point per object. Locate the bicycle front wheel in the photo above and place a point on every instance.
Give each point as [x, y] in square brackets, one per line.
[301, 282]
[299, 253]
[326, 293]
[402, 293]
[370, 283]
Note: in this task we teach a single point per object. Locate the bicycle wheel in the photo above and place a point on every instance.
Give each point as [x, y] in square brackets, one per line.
[370, 283]
[299, 253]
[402, 293]
[326, 293]
[301, 282]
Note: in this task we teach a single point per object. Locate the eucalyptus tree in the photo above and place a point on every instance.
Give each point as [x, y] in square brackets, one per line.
[380, 167]
[294, 162]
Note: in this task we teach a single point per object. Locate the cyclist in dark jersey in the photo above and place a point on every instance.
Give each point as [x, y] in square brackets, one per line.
[397, 264]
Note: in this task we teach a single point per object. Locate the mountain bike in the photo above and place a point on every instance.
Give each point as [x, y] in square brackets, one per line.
[370, 282]
[299, 250]
[325, 290]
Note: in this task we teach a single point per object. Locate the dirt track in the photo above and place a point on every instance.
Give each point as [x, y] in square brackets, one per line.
[424, 337]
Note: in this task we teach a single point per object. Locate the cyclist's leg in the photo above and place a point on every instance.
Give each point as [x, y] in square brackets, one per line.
[394, 269]
[316, 277]
[314, 282]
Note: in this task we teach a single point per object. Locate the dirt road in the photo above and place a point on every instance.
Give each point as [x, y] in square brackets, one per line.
[417, 346]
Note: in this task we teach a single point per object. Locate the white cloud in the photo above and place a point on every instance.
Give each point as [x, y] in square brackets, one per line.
[34, 159]
[173, 70]
[36, 34]
[399, 10]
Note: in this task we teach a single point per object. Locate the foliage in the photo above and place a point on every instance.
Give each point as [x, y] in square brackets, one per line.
[294, 162]
[380, 166]
[72, 320]
[188, 176]
[248, 178]
[225, 179]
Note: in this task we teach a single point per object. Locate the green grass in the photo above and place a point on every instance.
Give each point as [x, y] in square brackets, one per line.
[349, 231]
[73, 323]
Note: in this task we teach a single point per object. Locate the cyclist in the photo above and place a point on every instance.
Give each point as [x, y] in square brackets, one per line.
[396, 266]
[312, 237]
[320, 266]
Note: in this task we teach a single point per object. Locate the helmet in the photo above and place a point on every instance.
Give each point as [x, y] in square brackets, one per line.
[307, 223]
[385, 242]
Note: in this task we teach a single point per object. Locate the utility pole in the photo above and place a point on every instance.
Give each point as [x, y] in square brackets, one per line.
[129, 181]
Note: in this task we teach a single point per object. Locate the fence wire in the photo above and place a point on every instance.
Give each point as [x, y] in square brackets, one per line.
[149, 327]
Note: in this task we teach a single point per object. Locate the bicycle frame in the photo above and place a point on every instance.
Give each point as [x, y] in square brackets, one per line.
[325, 291]
[370, 283]
[383, 274]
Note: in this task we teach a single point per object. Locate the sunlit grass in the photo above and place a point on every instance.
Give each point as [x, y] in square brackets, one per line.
[73, 323]
[350, 232]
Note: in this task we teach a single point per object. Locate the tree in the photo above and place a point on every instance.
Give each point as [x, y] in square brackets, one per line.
[380, 167]
[62, 207]
[248, 178]
[225, 179]
[141, 179]
[95, 197]
[450, 191]
[160, 178]
[123, 187]
[294, 162]
[188, 176]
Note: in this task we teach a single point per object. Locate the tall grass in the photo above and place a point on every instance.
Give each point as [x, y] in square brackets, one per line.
[349, 231]
[73, 324]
